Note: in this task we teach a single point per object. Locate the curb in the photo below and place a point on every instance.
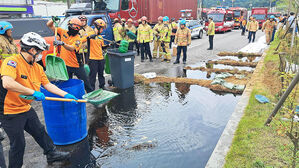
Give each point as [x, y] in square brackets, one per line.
[217, 159]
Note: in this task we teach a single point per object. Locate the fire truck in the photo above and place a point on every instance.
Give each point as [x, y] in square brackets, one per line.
[260, 15]
[223, 19]
[135, 9]
[239, 15]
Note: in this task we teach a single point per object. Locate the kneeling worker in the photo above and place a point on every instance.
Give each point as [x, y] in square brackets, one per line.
[20, 74]
[71, 44]
[182, 40]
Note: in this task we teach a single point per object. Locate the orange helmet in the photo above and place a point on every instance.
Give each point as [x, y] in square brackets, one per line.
[139, 20]
[116, 20]
[82, 18]
[160, 18]
[75, 23]
[100, 23]
[144, 18]
[130, 20]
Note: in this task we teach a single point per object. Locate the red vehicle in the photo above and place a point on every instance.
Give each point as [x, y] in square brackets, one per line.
[223, 19]
[260, 15]
[239, 15]
[203, 13]
[152, 9]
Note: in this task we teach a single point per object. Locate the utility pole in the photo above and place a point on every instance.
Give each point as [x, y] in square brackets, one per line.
[68, 4]
[270, 6]
[232, 3]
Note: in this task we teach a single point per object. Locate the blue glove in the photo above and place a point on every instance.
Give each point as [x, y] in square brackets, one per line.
[69, 96]
[39, 96]
[58, 43]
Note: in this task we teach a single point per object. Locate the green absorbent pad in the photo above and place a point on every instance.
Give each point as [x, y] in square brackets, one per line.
[99, 96]
[124, 46]
[131, 35]
[56, 69]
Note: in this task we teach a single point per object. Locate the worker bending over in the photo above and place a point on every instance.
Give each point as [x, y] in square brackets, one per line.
[182, 40]
[166, 40]
[21, 75]
[157, 31]
[7, 45]
[96, 59]
[144, 37]
[71, 43]
[268, 27]
[130, 27]
[117, 32]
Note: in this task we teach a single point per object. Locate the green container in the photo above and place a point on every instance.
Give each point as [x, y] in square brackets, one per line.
[107, 64]
[124, 46]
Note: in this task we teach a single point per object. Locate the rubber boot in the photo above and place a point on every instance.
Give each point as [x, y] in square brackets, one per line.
[56, 155]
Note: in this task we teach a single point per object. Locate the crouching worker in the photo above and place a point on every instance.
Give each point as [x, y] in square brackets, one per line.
[71, 43]
[96, 58]
[21, 75]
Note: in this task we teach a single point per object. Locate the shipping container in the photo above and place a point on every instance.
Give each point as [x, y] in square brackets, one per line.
[152, 9]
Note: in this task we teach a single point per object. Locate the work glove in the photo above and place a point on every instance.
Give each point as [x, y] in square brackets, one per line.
[69, 96]
[39, 96]
[58, 43]
[55, 18]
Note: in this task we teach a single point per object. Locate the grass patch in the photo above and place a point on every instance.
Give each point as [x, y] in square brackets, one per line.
[255, 145]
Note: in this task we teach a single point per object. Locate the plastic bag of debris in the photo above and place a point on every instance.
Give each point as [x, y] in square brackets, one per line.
[150, 75]
[223, 75]
[239, 87]
[240, 76]
[217, 81]
[228, 85]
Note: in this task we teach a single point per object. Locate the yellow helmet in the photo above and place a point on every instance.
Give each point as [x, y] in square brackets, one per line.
[100, 23]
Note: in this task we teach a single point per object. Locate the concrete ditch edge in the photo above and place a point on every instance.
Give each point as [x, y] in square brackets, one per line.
[217, 159]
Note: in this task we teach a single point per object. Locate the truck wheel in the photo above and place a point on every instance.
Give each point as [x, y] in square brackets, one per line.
[200, 34]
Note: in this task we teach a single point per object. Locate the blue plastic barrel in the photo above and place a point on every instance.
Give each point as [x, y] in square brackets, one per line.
[65, 121]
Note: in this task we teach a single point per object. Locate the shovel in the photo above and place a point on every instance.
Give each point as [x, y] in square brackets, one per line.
[96, 97]
[55, 66]
[86, 67]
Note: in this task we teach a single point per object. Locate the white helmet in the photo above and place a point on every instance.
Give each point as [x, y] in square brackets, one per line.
[32, 39]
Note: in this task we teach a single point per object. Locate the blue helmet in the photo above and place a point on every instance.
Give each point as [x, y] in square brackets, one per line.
[183, 22]
[272, 17]
[5, 26]
[165, 19]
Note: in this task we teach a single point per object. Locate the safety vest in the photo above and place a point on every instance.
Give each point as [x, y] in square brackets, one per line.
[183, 37]
[166, 33]
[211, 29]
[174, 28]
[252, 26]
[158, 31]
[144, 33]
[133, 30]
[268, 25]
[117, 32]
[7, 48]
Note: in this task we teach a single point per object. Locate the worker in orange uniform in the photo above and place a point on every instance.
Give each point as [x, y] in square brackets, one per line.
[7, 45]
[268, 27]
[211, 33]
[21, 75]
[157, 31]
[174, 28]
[130, 27]
[144, 37]
[182, 40]
[83, 33]
[71, 43]
[252, 27]
[96, 59]
[166, 33]
[117, 32]
[243, 26]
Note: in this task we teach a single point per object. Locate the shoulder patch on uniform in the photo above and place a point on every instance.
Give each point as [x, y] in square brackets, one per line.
[78, 42]
[12, 63]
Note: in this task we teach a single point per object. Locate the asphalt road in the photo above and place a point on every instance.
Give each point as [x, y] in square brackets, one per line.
[197, 52]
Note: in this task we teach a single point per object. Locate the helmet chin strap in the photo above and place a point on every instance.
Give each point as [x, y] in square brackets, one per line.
[34, 56]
